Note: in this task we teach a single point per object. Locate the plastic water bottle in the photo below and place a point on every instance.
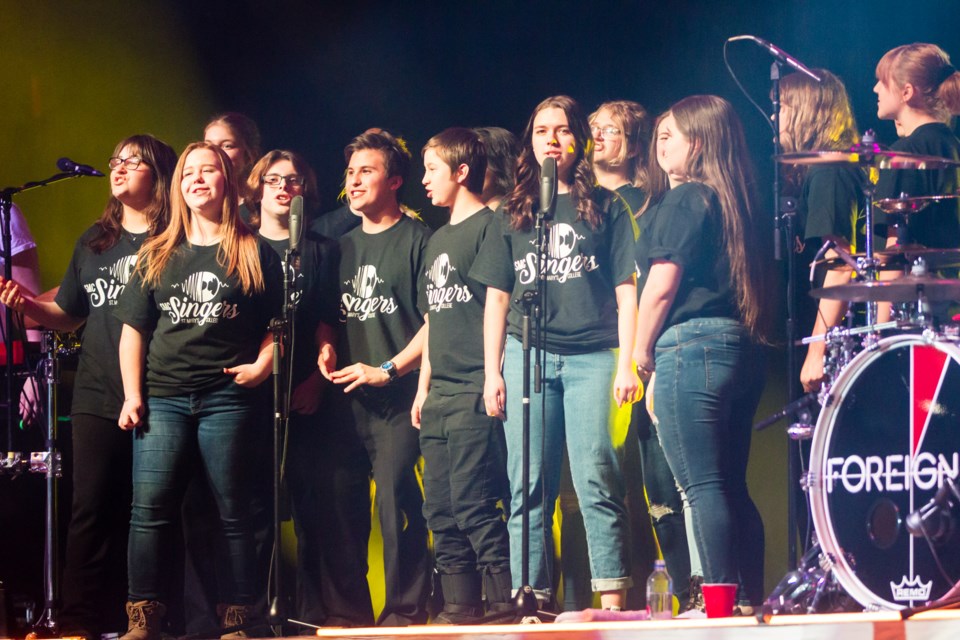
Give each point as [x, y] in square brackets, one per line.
[660, 592]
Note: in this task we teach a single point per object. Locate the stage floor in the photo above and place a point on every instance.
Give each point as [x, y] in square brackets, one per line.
[933, 625]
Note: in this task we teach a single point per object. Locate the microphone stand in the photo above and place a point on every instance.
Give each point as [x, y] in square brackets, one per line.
[532, 302]
[6, 207]
[784, 228]
[281, 413]
[48, 461]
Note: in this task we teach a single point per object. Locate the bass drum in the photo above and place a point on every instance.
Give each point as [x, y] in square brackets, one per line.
[887, 439]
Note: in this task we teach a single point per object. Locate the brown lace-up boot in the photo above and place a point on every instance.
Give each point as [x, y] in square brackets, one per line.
[144, 618]
[234, 615]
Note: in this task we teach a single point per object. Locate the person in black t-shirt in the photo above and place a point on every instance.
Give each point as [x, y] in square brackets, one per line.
[919, 90]
[464, 451]
[816, 116]
[589, 310]
[381, 263]
[196, 314]
[621, 131]
[102, 261]
[621, 135]
[703, 311]
[316, 455]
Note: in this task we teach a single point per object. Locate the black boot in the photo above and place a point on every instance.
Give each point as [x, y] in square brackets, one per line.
[498, 586]
[462, 603]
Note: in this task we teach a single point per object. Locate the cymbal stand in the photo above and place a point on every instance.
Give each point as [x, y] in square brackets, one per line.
[48, 463]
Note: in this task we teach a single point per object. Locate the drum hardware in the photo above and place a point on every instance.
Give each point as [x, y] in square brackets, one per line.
[910, 204]
[811, 588]
[895, 258]
[919, 289]
[48, 463]
[870, 153]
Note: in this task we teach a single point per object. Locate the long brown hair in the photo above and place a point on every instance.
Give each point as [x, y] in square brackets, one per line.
[927, 67]
[820, 118]
[634, 122]
[160, 158]
[525, 196]
[254, 186]
[238, 252]
[719, 159]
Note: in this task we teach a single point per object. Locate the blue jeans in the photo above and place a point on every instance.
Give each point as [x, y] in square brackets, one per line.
[577, 391]
[708, 384]
[211, 430]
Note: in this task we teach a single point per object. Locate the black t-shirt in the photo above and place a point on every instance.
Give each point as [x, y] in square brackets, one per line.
[334, 224]
[379, 280]
[632, 198]
[584, 266]
[90, 289]
[830, 204]
[939, 224]
[454, 302]
[315, 294]
[201, 319]
[686, 228]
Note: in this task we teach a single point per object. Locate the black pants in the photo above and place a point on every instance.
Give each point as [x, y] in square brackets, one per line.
[94, 581]
[328, 477]
[382, 420]
[465, 475]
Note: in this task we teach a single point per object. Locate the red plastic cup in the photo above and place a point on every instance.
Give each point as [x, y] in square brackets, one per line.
[719, 599]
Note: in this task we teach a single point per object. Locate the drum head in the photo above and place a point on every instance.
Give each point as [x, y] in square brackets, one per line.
[886, 441]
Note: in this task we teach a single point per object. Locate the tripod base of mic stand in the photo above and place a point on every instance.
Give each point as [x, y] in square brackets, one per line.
[525, 611]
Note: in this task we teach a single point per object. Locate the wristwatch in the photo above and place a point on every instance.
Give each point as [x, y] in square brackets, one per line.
[391, 370]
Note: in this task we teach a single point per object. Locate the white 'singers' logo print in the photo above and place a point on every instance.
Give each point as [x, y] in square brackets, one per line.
[439, 294]
[563, 262]
[107, 290]
[198, 303]
[562, 240]
[362, 303]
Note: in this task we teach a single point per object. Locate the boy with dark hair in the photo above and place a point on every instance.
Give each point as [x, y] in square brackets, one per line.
[380, 267]
[463, 448]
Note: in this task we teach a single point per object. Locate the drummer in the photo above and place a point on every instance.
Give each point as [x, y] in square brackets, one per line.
[919, 90]
[818, 116]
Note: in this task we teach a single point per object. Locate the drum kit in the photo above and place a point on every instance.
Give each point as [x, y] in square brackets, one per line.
[887, 439]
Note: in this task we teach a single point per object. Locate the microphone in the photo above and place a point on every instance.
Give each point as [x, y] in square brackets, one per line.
[935, 519]
[548, 186]
[779, 54]
[68, 165]
[794, 407]
[296, 223]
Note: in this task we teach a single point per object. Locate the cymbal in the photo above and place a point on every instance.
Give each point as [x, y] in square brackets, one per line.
[905, 289]
[910, 204]
[863, 156]
[898, 259]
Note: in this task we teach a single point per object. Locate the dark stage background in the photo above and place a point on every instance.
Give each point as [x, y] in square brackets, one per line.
[76, 77]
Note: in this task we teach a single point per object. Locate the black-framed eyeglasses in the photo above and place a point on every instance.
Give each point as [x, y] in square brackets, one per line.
[608, 132]
[275, 179]
[130, 163]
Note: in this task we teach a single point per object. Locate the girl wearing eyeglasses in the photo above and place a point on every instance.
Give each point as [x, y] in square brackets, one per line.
[196, 317]
[103, 259]
[274, 181]
[621, 132]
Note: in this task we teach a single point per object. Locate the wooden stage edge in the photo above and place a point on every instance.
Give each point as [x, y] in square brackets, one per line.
[932, 625]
